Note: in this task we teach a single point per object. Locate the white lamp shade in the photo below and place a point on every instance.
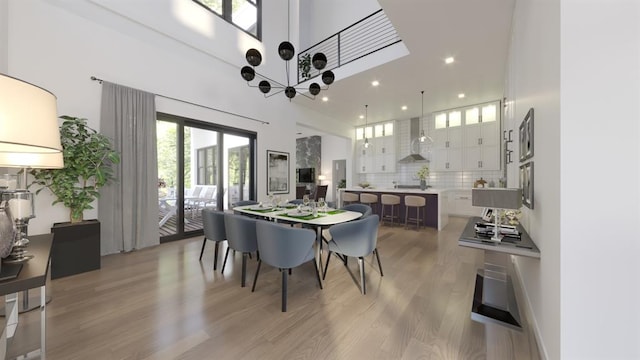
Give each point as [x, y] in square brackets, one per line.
[322, 177]
[32, 160]
[28, 118]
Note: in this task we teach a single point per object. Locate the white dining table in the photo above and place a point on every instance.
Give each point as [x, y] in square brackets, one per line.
[321, 221]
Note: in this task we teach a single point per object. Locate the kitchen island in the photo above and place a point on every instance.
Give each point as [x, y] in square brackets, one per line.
[436, 214]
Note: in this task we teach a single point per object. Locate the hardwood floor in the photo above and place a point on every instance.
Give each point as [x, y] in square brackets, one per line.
[162, 303]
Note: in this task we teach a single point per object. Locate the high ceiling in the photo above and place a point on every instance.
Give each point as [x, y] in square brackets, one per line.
[476, 33]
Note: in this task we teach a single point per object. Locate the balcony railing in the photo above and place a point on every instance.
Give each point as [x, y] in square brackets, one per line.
[373, 33]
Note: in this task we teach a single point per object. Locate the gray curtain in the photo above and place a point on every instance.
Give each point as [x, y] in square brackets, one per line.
[128, 208]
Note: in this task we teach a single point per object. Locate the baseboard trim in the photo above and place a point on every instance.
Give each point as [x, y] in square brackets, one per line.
[532, 322]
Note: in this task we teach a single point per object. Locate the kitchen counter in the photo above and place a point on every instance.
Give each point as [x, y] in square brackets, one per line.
[402, 191]
[436, 214]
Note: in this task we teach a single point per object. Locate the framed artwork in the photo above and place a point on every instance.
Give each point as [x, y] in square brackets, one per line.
[526, 184]
[487, 213]
[526, 136]
[277, 172]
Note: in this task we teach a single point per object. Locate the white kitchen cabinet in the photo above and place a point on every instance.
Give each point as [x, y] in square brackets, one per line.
[380, 156]
[447, 142]
[467, 138]
[460, 203]
[481, 138]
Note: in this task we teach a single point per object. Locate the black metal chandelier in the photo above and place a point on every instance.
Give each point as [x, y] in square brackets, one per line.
[286, 52]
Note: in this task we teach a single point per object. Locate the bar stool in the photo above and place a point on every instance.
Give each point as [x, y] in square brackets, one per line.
[389, 200]
[371, 200]
[349, 198]
[417, 202]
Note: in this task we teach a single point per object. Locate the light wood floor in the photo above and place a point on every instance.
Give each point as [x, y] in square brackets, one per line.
[162, 303]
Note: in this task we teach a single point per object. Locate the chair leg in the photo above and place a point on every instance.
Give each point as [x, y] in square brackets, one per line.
[284, 291]
[363, 287]
[375, 251]
[215, 255]
[326, 265]
[315, 266]
[224, 263]
[244, 269]
[255, 278]
[406, 217]
[204, 242]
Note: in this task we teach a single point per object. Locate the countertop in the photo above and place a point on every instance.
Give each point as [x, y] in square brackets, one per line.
[435, 191]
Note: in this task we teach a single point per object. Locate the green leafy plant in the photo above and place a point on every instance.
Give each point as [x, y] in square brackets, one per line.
[423, 173]
[88, 165]
[304, 64]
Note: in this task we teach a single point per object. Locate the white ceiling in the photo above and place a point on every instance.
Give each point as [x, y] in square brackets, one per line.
[475, 32]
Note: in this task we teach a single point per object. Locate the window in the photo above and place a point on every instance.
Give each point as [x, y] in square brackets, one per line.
[244, 14]
[207, 165]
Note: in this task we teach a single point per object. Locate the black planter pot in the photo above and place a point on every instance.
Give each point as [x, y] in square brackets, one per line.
[76, 248]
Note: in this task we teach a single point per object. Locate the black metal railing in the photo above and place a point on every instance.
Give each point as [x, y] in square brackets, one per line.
[373, 33]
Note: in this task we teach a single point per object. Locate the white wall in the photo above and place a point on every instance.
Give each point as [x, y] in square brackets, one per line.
[600, 134]
[59, 44]
[533, 80]
[332, 148]
[580, 74]
[4, 36]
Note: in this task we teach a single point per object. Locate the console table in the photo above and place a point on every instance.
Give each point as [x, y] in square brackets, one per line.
[32, 275]
[494, 299]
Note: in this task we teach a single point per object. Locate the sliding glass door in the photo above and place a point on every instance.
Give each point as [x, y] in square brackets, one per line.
[200, 165]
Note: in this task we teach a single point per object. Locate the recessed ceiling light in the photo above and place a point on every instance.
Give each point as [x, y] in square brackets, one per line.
[461, 95]
[325, 99]
[375, 83]
[449, 60]
[361, 116]
[404, 107]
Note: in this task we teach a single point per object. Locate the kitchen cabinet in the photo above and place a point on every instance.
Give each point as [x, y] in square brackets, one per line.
[481, 138]
[460, 203]
[380, 156]
[447, 141]
[467, 138]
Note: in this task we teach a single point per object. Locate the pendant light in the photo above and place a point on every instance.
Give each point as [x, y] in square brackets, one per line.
[366, 141]
[423, 138]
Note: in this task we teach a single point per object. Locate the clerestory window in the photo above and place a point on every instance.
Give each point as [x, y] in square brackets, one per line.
[244, 14]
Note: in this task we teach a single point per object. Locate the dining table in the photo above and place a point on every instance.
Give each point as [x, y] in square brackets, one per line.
[295, 214]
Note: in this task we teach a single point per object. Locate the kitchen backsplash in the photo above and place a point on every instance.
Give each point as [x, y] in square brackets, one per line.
[405, 175]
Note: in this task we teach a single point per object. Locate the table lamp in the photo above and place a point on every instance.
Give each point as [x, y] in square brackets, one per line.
[497, 198]
[29, 138]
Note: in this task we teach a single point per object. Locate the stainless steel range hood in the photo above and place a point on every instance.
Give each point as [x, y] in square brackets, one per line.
[414, 144]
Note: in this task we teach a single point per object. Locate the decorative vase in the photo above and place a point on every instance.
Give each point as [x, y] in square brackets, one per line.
[7, 230]
[423, 184]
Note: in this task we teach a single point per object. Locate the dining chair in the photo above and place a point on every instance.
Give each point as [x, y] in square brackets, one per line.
[321, 192]
[300, 191]
[241, 236]
[214, 230]
[356, 238]
[244, 203]
[363, 209]
[285, 248]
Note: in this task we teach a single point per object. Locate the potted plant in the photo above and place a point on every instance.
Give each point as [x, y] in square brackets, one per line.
[422, 175]
[88, 158]
[88, 165]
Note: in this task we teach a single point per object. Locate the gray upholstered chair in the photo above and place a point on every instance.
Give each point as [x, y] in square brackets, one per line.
[244, 203]
[285, 248]
[214, 230]
[356, 238]
[365, 210]
[296, 201]
[241, 236]
[361, 208]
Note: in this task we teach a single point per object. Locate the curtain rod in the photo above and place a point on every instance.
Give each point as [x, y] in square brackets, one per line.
[202, 106]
